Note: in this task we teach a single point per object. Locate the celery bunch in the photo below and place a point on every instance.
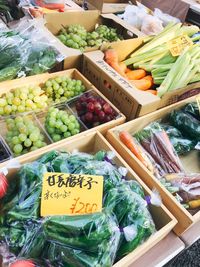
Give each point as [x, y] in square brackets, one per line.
[169, 72]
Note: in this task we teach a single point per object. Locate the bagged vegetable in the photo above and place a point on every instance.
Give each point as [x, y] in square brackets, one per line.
[192, 109]
[186, 123]
[26, 51]
[151, 25]
[187, 187]
[181, 145]
[156, 142]
[165, 18]
[83, 240]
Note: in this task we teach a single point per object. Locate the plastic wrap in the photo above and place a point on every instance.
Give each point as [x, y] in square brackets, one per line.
[84, 240]
[136, 224]
[141, 154]
[26, 51]
[138, 17]
[186, 123]
[156, 142]
[151, 25]
[165, 18]
[187, 187]
[193, 109]
[181, 145]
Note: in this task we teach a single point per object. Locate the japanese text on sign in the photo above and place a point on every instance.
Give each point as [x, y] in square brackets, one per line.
[177, 45]
[71, 194]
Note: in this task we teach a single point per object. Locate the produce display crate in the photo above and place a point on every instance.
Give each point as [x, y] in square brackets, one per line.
[131, 102]
[89, 19]
[91, 143]
[190, 163]
[38, 117]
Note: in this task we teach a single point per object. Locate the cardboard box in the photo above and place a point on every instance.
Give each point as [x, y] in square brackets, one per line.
[131, 102]
[190, 163]
[89, 19]
[91, 143]
[71, 5]
[41, 79]
[109, 6]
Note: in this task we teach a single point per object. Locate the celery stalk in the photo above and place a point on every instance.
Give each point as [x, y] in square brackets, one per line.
[167, 58]
[182, 77]
[192, 74]
[160, 39]
[158, 80]
[147, 56]
[195, 78]
[172, 74]
[160, 74]
[189, 30]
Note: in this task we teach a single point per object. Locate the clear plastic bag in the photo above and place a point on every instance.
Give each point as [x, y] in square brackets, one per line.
[151, 25]
[181, 145]
[134, 15]
[82, 240]
[156, 142]
[187, 187]
[138, 17]
[26, 51]
[165, 18]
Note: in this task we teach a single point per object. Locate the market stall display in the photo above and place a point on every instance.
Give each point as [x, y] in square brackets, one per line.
[85, 233]
[50, 108]
[80, 31]
[67, 197]
[143, 75]
[167, 67]
[163, 149]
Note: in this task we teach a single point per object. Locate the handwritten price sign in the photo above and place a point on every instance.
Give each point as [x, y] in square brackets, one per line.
[71, 194]
[177, 45]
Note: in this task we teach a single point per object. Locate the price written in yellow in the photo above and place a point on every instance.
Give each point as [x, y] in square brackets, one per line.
[71, 194]
[177, 45]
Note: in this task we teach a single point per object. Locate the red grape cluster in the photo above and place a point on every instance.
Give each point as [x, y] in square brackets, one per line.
[93, 110]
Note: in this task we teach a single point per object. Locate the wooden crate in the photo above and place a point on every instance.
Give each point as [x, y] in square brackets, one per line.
[91, 143]
[72, 73]
[185, 219]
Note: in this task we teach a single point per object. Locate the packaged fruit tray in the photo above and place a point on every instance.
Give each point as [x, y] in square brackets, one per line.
[80, 238]
[40, 110]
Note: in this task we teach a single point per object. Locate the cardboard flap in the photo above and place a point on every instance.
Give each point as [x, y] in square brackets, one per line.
[121, 22]
[95, 4]
[98, 4]
[55, 21]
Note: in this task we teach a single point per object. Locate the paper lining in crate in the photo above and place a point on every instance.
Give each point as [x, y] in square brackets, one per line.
[42, 117]
[93, 143]
[190, 163]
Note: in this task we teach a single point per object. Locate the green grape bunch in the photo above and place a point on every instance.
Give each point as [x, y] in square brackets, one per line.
[23, 99]
[23, 135]
[61, 124]
[63, 88]
[77, 37]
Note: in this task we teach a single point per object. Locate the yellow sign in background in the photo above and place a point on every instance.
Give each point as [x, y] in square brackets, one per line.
[71, 194]
[177, 45]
